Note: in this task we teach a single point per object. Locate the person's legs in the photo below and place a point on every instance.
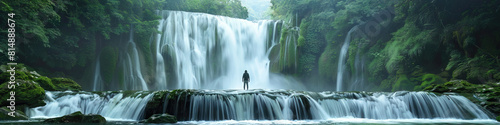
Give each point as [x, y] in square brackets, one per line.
[245, 84]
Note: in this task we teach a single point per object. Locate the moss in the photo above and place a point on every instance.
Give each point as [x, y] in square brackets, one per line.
[63, 84]
[301, 41]
[327, 65]
[498, 118]
[46, 83]
[27, 93]
[402, 83]
[108, 58]
[428, 80]
[461, 86]
[5, 76]
[385, 85]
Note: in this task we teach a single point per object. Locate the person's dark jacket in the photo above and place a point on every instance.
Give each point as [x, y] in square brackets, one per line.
[246, 77]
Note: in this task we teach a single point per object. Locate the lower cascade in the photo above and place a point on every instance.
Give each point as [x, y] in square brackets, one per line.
[109, 105]
[210, 105]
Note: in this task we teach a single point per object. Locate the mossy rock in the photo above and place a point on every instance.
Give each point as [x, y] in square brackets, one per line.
[157, 101]
[27, 93]
[498, 118]
[77, 117]
[460, 86]
[63, 84]
[161, 118]
[428, 80]
[5, 76]
[46, 83]
[18, 115]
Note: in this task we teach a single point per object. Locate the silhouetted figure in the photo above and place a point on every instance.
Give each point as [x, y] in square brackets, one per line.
[245, 79]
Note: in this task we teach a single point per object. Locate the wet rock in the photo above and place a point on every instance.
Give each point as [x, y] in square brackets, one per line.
[77, 117]
[160, 118]
[18, 114]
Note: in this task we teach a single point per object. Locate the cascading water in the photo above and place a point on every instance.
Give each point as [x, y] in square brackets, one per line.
[290, 105]
[211, 52]
[109, 105]
[97, 75]
[358, 76]
[342, 58]
[215, 105]
[196, 50]
[132, 69]
[130, 65]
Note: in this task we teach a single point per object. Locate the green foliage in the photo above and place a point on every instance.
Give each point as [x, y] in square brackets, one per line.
[328, 62]
[230, 8]
[322, 22]
[352, 12]
[480, 69]
[307, 63]
[408, 44]
[64, 35]
[402, 83]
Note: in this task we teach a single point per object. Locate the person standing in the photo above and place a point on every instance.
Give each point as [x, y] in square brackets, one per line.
[245, 79]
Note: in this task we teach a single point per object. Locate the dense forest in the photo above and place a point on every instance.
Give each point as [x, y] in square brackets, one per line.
[404, 45]
[61, 38]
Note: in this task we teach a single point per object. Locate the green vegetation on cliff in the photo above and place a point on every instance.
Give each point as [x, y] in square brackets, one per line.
[406, 45]
[62, 38]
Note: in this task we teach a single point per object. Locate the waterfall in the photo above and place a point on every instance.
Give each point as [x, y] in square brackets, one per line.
[342, 59]
[290, 105]
[132, 68]
[358, 76]
[130, 65]
[257, 104]
[211, 52]
[97, 75]
[109, 105]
